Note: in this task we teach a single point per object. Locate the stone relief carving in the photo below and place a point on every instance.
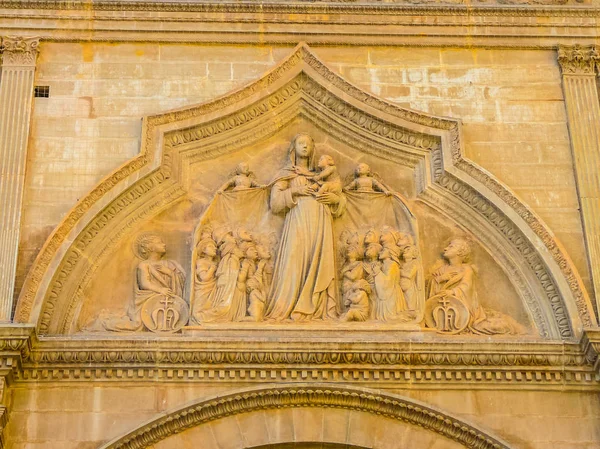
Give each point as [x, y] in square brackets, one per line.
[157, 303]
[303, 249]
[453, 305]
[55, 308]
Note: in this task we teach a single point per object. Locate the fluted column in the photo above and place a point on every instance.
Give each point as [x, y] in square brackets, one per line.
[579, 68]
[16, 91]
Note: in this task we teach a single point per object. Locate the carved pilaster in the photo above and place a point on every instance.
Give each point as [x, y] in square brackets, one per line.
[16, 91]
[15, 345]
[579, 67]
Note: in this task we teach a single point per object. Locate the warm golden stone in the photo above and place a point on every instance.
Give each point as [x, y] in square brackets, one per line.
[310, 225]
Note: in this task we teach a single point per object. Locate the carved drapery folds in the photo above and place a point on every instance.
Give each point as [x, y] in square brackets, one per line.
[580, 66]
[16, 92]
[354, 125]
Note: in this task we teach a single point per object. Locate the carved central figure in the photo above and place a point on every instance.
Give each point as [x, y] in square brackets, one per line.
[304, 284]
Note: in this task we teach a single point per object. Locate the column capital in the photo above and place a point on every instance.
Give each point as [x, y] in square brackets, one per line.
[19, 51]
[578, 59]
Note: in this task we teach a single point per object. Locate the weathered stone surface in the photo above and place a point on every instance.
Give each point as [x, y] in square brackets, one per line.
[472, 326]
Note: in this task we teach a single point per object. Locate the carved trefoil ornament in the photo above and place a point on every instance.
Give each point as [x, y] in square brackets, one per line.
[301, 200]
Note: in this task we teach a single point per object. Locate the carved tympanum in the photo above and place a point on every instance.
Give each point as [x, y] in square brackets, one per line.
[303, 249]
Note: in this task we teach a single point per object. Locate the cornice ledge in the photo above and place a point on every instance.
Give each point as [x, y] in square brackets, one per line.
[402, 7]
[16, 344]
[578, 59]
[486, 364]
[590, 344]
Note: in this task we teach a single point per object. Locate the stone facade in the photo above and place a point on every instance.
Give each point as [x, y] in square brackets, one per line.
[169, 127]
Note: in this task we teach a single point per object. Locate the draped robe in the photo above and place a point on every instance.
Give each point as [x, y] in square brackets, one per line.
[304, 277]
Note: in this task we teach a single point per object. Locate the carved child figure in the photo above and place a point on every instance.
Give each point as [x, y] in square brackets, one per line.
[353, 270]
[205, 279]
[390, 299]
[242, 179]
[365, 182]
[328, 179]
[409, 276]
[357, 301]
[372, 265]
[258, 285]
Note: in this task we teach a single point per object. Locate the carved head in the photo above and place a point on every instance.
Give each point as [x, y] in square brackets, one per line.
[222, 235]
[302, 146]
[373, 250]
[326, 161]
[207, 247]
[263, 252]
[147, 244]
[410, 252]
[354, 252]
[362, 169]
[458, 248]
[242, 169]
[242, 235]
[390, 236]
[249, 251]
[372, 236]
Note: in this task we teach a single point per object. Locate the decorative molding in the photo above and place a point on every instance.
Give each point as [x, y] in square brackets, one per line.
[578, 59]
[19, 51]
[464, 363]
[408, 7]
[275, 397]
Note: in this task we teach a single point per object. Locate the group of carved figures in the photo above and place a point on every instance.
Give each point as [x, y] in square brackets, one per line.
[237, 278]
[380, 277]
[232, 276]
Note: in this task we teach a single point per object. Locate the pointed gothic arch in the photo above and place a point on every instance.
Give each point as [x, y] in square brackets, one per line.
[302, 86]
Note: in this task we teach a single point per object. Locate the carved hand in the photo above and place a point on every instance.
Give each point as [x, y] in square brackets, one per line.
[301, 191]
[302, 171]
[328, 198]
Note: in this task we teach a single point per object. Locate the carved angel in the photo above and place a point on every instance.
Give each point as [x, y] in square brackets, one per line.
[364, 181]
[242, 179]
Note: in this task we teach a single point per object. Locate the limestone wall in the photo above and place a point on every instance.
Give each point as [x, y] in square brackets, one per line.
[515, 126]
[510, 102]
[84, 416]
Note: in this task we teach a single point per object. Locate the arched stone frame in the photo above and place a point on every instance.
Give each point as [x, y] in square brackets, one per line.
[541, 271]
[381, 405]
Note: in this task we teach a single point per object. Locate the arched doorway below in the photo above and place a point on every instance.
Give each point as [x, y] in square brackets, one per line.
[306, 416]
